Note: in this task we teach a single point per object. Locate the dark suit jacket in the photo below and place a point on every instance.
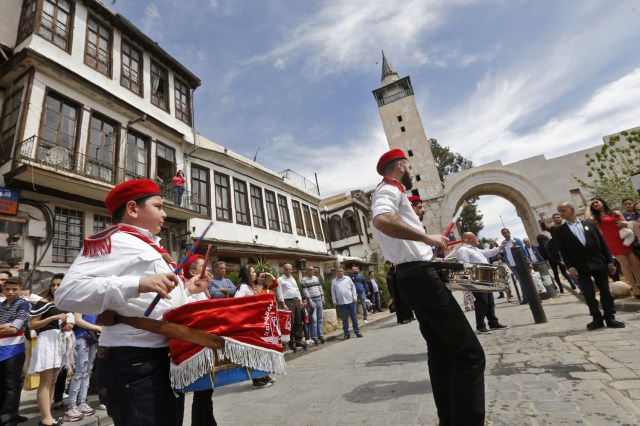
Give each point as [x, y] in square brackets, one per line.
[594, 256]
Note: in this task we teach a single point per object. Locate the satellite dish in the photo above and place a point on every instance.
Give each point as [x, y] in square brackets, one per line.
[345, 253]
[57, 155]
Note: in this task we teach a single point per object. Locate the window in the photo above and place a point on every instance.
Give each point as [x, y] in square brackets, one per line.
[165, 166]
[284, 214]
[402, 129]
[241, 202]
[410, 153]
[257, 207]
[68, 233]
[297, 216]
[9, 122]
[159, 87]
[307, 221]
[59, 125]
[136, 155]
[316, 224]
[399, 118]
[100, 222]
[131, 68]
[200, 189]
[97, 52]
[335, 228]
[272, 210]
[223, 197]
[350, 226]
[52, 22]
[101, 149]
[183, 103]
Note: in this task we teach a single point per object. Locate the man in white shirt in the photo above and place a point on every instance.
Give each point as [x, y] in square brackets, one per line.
[122, 269]
[532, 251]
[345, 298]
[456, 359]
[288, 294]
[484, 303]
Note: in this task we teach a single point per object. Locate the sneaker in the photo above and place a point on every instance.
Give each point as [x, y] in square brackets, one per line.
[86, 409]
[484, 330]
[346, 337]
[73, 414]
[316, 342]
[366, 321]
[499, 327]
[261, 384]
[268, 379]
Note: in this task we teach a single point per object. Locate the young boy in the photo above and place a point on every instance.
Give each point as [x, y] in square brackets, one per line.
[122, 269]
[14, 316]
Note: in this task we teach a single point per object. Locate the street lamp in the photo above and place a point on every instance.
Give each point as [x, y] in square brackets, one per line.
[14, 251]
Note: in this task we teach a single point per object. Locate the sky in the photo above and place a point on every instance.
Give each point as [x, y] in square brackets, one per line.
[493, 79]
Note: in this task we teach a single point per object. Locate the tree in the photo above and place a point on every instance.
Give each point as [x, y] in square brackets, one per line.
[611, 167]
[448, 162]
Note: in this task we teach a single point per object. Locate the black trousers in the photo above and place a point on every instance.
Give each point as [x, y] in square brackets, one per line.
[455, 357]
[601, 279]
[485, 308]
[296, 320]
[134, 385]
[403, 310]
[202, 408]
[61, 384]
[10, 388]
[556, 275]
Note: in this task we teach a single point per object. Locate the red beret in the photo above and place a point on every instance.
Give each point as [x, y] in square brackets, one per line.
[188, 264]
[389, 156]
[414, 198]
[134, 189]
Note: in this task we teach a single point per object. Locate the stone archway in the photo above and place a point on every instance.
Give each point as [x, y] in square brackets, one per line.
[527, 198]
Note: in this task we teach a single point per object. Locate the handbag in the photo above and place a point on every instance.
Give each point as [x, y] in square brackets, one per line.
[627, 236]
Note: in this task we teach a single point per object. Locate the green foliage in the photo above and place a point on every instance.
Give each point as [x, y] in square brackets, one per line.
[261, 263]
[470, 219]
[610, 168]
[234, 277]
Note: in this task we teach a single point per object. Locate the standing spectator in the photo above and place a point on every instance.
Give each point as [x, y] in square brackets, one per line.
[484, 303]
[344, 297]
[374, 290]
[4, 275]
[86, 332]
[610, 222]
[455, 357]
[313, 292]
[14, 316]
[266, 281]
[361, 290]
[557, 221]
[47, 357]
[534, 251]
[220, 286]
[179, 182]
[629, 212]
[587, 257]
[288, 295]
[509, 260]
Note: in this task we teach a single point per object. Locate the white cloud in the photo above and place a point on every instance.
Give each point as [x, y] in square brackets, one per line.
[279, 64]
[152, 24]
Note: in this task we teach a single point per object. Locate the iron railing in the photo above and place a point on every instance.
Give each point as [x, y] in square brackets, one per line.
[300, 181]
[395, 97]
[36, 151]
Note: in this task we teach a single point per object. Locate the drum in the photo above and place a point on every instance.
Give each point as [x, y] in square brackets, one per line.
[478, 277]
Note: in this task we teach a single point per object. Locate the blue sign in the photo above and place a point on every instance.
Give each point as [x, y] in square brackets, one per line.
[9, 201]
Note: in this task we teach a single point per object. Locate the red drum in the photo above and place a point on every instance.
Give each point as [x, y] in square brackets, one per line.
[249, 327]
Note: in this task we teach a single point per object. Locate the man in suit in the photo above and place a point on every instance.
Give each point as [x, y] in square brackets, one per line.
[533, 251]
[587, 257]
[508, 259]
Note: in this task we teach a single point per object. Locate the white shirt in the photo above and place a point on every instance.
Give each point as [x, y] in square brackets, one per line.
[470, 254]
[244, 290]
[95, 284]
[374, 286]
[287, 288]
[507, 252]
[343, 291]
[578, 231]
[532, 255]
[388, 199]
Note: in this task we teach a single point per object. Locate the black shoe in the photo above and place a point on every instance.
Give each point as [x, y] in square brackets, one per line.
[22, 419]
[359, 335]
[484, 330]
[524, 302]
[615, 324]
[499, 327]
[595, 324]
[501, 296]
[321, 338]
[346, 337]
[302, 345]
[293, 348]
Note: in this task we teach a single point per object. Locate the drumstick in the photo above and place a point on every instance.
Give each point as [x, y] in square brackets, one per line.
[455, 218]
[453, 243]
[206, 260]
[176, 271]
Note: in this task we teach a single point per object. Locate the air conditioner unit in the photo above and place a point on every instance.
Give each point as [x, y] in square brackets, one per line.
[301, 264]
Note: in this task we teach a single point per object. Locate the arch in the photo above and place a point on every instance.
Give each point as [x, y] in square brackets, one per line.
[335, 228]
[350, 226]
[512, 186]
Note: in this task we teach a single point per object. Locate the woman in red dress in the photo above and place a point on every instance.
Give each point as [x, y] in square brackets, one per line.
[610, 222]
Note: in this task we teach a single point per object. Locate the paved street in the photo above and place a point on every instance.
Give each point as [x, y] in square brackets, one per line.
[547, 374]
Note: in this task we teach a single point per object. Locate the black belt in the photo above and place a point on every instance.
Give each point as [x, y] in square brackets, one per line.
[103, 351]
[433, 265]
[290, 300]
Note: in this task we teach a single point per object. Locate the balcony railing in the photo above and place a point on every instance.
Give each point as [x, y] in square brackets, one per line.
[43, 154]
[300, 181]
[395, 97]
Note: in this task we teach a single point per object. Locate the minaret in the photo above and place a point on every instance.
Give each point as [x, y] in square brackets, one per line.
[403, 128]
